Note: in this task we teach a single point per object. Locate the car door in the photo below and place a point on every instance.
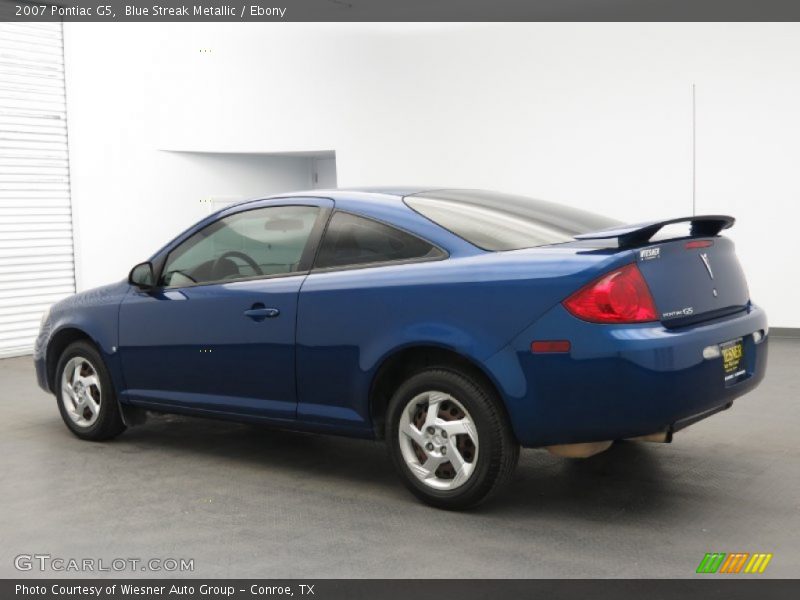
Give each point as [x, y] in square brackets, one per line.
[218, 333]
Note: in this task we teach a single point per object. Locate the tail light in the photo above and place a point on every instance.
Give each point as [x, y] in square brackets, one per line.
[620, 296]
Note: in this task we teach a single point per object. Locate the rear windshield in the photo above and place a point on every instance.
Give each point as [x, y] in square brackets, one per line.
[497, 222]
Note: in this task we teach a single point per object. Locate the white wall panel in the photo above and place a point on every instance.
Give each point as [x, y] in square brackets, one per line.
[162, 194]
[36, 240]
[592, 115]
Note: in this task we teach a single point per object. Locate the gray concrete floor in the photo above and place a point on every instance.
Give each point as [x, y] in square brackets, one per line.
[244, 501]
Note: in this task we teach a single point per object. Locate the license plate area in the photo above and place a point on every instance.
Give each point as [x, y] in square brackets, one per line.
[733, 364]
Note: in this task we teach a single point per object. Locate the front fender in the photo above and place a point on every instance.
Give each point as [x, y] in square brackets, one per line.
[93, 314]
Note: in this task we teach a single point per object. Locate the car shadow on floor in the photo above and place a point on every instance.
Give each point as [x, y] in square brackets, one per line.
[277, 450]
[626, 479]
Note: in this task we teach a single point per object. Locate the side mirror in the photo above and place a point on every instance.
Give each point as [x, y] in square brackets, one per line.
[142, 276]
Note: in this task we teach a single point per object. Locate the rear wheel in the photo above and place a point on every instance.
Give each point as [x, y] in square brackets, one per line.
[86, 398]
[449, 439]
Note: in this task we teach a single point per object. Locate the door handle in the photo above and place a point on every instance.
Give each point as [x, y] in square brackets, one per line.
[258, 312]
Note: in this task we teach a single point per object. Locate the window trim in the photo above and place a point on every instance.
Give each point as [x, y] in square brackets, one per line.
[384, 263]
[306, 258]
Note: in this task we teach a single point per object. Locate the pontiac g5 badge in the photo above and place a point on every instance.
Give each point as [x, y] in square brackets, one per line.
[704, 258]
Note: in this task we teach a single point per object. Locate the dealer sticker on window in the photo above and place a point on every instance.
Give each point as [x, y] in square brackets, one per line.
[732, 359]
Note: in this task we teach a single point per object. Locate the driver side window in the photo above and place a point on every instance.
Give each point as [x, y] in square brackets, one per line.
[254, 243]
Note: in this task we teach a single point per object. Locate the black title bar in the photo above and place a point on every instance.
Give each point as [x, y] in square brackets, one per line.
[707, 588]
[401, 10]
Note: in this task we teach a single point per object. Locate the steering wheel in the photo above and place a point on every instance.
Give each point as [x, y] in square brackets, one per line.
[236, 254]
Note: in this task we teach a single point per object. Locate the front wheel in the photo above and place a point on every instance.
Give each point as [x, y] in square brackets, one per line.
[449, 438]
[86, 398]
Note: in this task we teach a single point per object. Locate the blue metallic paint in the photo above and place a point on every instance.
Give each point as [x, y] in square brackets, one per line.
[678, 264]
[196, 347]
[95, 314]
[620, 381]
[472, 305]
[192, 350]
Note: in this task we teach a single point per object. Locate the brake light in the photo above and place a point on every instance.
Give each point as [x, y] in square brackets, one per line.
[698, 244]
[620, 296]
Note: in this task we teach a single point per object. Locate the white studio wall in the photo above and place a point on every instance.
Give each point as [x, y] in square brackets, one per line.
[140, 213]
[593, 115]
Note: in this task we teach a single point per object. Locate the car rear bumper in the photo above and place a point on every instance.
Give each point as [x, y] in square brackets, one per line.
[621, 381]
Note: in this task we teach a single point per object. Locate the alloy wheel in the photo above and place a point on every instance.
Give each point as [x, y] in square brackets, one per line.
[438, 440]
[81, 393]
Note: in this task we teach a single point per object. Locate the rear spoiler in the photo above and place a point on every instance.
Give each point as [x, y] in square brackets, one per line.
[633, 235]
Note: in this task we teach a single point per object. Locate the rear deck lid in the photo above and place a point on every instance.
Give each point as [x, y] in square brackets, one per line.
[694, 278]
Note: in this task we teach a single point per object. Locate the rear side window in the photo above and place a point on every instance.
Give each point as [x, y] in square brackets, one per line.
[351, 240]
[497, 222]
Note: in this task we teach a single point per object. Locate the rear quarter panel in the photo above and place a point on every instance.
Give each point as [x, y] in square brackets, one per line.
[351, 321]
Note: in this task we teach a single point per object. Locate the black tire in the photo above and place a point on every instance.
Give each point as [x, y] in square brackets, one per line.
[498, 450]
[108, 423]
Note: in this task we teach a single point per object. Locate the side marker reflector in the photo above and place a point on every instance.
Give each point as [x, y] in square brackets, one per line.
[543, 346]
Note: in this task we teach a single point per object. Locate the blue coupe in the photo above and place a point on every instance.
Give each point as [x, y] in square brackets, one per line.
[458, 325]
